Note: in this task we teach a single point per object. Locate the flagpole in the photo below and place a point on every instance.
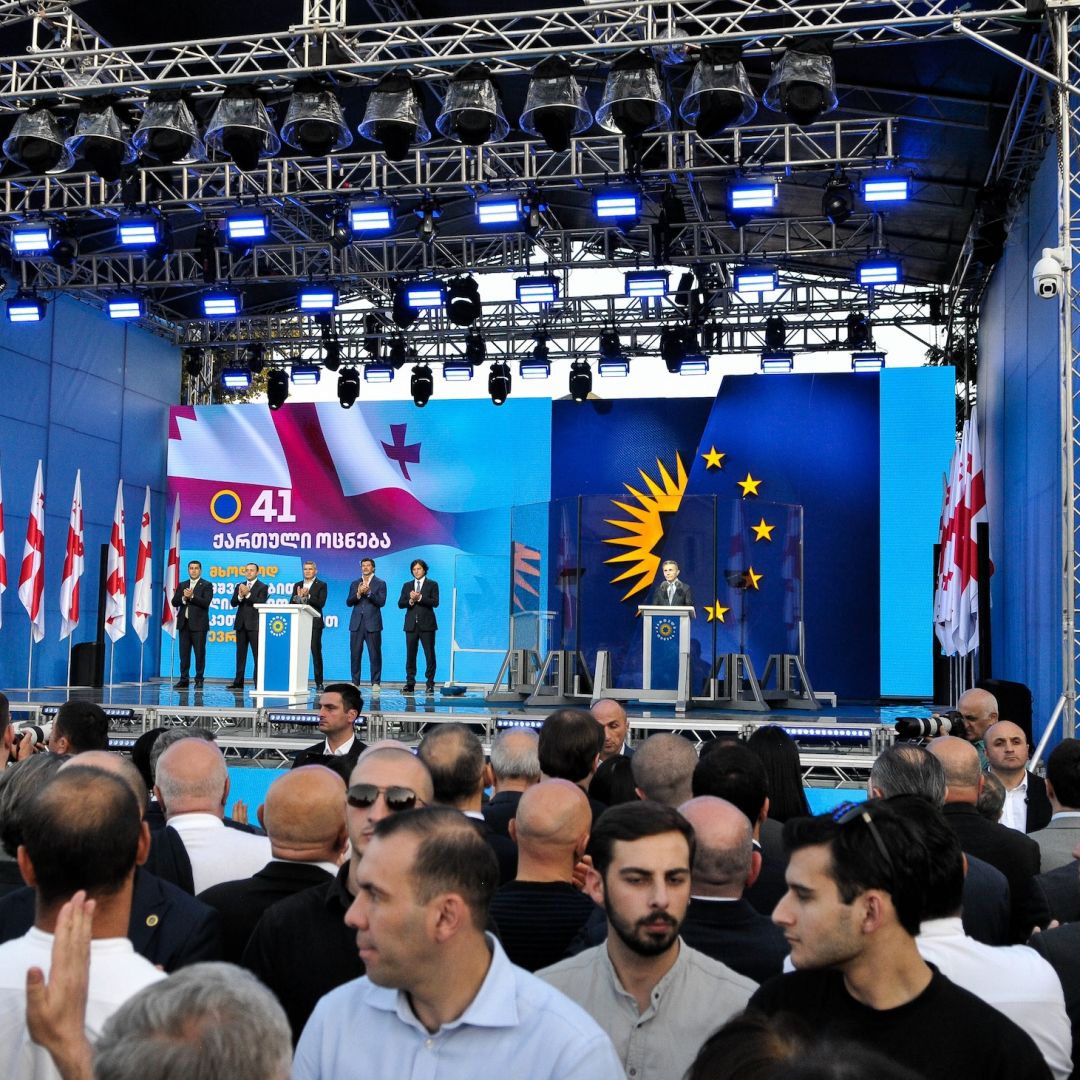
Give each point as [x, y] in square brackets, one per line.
[30, 664]
[112, 663]
[69, 666]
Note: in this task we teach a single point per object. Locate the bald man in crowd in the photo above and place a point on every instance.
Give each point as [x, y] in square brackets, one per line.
[664, 768]
[1027, 807]
[979, 710]
[540, 912]
[611, 716]
[304, 817]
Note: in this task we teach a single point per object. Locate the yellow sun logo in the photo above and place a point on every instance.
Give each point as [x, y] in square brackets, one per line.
[646, 530]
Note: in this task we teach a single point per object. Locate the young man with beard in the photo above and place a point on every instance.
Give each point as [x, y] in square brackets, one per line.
[656, 997]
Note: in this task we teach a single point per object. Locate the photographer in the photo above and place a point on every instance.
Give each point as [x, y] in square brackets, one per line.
[978, 710]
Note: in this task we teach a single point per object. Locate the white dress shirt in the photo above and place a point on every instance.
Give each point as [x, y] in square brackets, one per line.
[1014, 812]
[218, 853]
[342, 750]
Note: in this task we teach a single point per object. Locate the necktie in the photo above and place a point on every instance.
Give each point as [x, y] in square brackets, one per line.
[671, 592]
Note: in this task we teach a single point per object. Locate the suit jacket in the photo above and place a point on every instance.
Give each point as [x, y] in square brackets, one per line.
[771, 884]
[169, 859]
[167, 926]
[683, 596]
[241, 903]
[344, 763]
[1061, 947]
[317, 598]
[504, 849]
[1039, 810]
[421, 616]
[247, 617]
[501, 810]
[1061, 890]
[732, 932]
[986, 903]
[367, 609]
[1057, 841]
[195, 614]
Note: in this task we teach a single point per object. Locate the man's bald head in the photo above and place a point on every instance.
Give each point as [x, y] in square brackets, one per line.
[304, 814]
[455, 757]
[724, 854]
[383, 767]
[552, 813]
[963, 773]
[1007, 751]
[116, 764]
[979, 708]
[192, 778]
[663, 767]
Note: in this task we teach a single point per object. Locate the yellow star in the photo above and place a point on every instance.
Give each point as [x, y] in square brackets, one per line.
[749, 485]
[752, 579]
[714, 459]
[715, 611]
[762, 531]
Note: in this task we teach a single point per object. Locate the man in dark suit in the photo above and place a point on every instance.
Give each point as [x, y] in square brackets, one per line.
[312, 592]
[515, 767]
[671, 590]
[339, 709]
[304, 816]
[1027, 807]
[1060, 837]
[1061, 947]
[192, 602]
[367, 595]
[419, 597]
[611, 716]
[246, 595]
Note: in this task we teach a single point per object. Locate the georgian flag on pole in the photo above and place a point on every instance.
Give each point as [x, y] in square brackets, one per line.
[73, 563]
[3, 553]
[172, 574]
[32, 571]
[141, 601]
[116, 582]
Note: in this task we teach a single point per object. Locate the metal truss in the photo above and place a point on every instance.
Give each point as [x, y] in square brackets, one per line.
[509, 43]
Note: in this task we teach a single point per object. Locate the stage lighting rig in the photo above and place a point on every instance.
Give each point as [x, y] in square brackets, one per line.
[886, 187]
[617, 204]
[32, 238]
[398, 353]
[859, 334]
[125, 306]
[463, 305]
[348, 387]
[394, 117]
[193, 361]
[277, 388]
[371, 217]
[837, 201]
[580, 380]
[633, 100]
[314, 121]
[472, 112]
[221, 303]
[340, 228]
[755, 280]
[499, 382]
[538, 366]
[376, 371]
[457, 370]
[37, 143]
[777, 361]
[25, 307]
[475, 347]
[719, 95]
[314, 297]
[236, 379]
[802, 86]
[240, 129]
[255, 358]
[646, 284]
[206, 245]
[65, 245]
[331, 354]
[140, 230]
[101, 139]
[247, 226]
[533, 205]
[305, 374]
[555, 105]
[421, 384]
[427, 220]
[747, 199]
[879, 270]
[775, 332]
[494, 211]
[537, 290]
[167, 131]
[867, 361]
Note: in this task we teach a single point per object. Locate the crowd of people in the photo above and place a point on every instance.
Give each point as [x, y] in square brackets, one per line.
[564, 906]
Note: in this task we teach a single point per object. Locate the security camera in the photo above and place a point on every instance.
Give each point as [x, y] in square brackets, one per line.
[1048, 274]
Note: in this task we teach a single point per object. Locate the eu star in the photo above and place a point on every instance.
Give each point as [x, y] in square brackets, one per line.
[715, 611]
[752, 579]
[714, 459]
[749, 485]
[762, 531]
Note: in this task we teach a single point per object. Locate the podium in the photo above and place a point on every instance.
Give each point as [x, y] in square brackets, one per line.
[284, 650]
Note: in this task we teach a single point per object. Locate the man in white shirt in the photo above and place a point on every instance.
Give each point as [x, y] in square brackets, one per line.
[339, 710]
[82, 831]
[1026, 806]
[192, 787]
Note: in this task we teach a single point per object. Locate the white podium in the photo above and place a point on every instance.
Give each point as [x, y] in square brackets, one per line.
[284, 650]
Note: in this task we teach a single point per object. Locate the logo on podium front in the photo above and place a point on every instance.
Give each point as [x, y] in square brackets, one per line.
[665, 629]
[278, 626]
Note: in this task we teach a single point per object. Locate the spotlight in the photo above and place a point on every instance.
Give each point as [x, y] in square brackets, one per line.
[142, 231]
[680, 351]
[206, 241]
[493, 210]
[580, 380]
[167, 131]
[331, 354]
[475, 348]
[221, 303]
[348, 387]
[304, 374]
[277, 388]
[801, 85]
[719, 95]
[376, 372]
[836, 202]
[371, 217]
[775, 332]
[240, 129]
[33, 239]
[743, 198]
[193, 361]
[100, 139]
[532, 206]
[398, 353]
[754, 280]
[615, 204]
[609, 345]
[255, 358]
[555, 106]
[538, 366]
[859, 335]
[537, 290]
[247, 226]
[421, 384]
[37, 143]
[886, 187]
[401, 311]
[867, 361]
[425, 295]
[125, 307]
[696, 363]
[457, 370]
[633, 101]
[314, 121]
[463, 301]
[645, 284]
[341, 234]
[24, 307]
[879, 271]
[236, 378]
[613, 367]
[472, 112]
[65, 247]
[777, 362]
[317, 298]
[393, 116]
[499, 382]
[427, 215]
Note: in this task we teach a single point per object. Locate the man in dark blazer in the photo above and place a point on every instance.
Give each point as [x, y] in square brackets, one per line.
[671, 590]
[246, 595]
[192, 602]
[1061, 947]
[312, 592]
[339, 709]
[419, 597]
[367, 595]
[1027, 807]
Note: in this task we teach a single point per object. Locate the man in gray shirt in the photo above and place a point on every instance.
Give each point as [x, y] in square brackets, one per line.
[657, 998]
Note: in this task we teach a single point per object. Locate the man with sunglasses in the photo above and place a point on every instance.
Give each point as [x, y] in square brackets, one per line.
[857, 883]
[301, 947]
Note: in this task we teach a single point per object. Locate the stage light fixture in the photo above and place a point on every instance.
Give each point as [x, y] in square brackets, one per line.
[879, 270]
[255, 358]
[463, 305]
[475, 348]
[836, 201]
[613, 367]
[745, 197]
[140, 231]
[304, 374]
[537, 290]
[401, 312]
[859, 334]
[167, 131]
[496, 210]
[340, 230]
[754, 280]
[421, 384]
[24, 307]
[617, 204]
[609, 345]
[696, 363]
[777, 361]
[193, 361]
[555, 105]
[277, 388]
[65, 245]
[472, 112]
[719, 95]
[366, 218]
[314, 121]
[802, 86]
[425, 295]
[376, 371]
[236, 379]
[348, 387]
[317, 298]
[775, 332]
[499, 382]
[534, 367]
[126, 306]
[331, 354]
[37, 143]
[240, 129]
[646, 284]
[206, 242]
[427, 220]
[580, 380]
[101, 139]
[221, 304]
[867, 361]
[398, 353]
[457, 370]
[394, 117]
[247, 226]
[633, 100]
[885, 187]
[533, 205]
[31, 239]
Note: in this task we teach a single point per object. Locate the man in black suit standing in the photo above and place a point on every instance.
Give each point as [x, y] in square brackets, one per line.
[1027, 806]
[192, 602]
[671, 590]
[339, 709]
[419, 597]
[246, 595]
[367, 595]
[312, 592]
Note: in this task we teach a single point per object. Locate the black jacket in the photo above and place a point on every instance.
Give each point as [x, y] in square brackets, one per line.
[732, 932]
[420, 616]
[194, 615]
[247, 618]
